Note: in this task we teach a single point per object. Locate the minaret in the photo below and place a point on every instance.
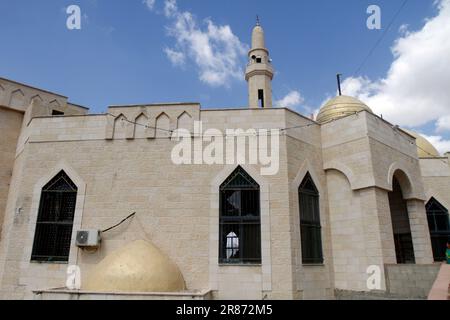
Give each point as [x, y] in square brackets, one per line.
[259, 73]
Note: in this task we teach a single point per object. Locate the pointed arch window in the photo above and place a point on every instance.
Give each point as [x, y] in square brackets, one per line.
[240, 221]
[439, 225]
[310, 227]
[55, 220]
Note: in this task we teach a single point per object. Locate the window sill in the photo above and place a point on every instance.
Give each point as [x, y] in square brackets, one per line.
[239, 265]
[313, 264]
[48, 262]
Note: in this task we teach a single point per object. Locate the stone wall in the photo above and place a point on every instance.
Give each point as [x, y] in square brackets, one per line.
[120, 167]
[413, 281]
[10, 125]
[175, 205]
[436, 179]
[304, 151]
[19, 96]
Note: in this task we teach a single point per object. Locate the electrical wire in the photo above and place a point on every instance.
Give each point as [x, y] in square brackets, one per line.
[116, 225]
[378, 42]
[283, 130]
[212, 136]
[140, 124]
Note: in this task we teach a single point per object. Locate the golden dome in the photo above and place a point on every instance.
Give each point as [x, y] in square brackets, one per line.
[136, 267]
[339, 107]
[424, 148]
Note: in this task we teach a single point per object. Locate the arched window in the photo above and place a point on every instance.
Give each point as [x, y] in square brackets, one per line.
[240, 223]
[310, 227]
[55, 220]
[438, 222]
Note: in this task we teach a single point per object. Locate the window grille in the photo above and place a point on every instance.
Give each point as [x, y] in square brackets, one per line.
[310, 227]
[55, 220]
[240, 224]
[439, 225]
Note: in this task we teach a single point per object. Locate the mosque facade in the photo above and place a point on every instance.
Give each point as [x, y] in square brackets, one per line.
[357, 205]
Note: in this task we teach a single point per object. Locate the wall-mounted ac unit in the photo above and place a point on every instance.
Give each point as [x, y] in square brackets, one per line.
[88, 238]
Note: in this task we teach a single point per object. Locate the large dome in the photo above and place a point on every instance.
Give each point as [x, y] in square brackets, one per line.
[424, 148]
[339, 107]
[137, 267]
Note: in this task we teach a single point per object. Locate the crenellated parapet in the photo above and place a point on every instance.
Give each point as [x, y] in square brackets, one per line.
[20, 97]
[150, 121]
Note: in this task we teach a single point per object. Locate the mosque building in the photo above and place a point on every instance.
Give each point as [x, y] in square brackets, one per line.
[358, 206]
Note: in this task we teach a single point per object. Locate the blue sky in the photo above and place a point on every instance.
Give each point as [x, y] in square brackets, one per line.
[120, 54]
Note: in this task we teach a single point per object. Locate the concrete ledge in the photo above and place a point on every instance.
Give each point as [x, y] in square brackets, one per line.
[411, 280]
[64, 294]
[369, 295]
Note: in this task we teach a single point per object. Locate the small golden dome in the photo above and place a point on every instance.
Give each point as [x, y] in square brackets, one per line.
[136, 267]
[424, 147]
[339, 107]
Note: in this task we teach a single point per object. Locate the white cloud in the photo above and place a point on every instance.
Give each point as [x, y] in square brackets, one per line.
[403, 30]
[170, 8]
[415, 90]
[292, 100]
[441, 144]
[217, 53]
[149, 3]
[177, 58]
[443, 124]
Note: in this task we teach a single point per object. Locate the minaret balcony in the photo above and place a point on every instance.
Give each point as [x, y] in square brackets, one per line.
[254, 68]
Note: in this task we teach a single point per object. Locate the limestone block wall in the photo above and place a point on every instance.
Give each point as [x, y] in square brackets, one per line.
[346, 148]
[394, 151]
[10, 125]
[159, 119]
[19, 96]
[349, 215]
[19, 103]
[176, 205]
[436, 178]
[13, 215]
[391, 150]
[274, 276]
[413, 281]
[305, 156]
[420, 232]
[361, 155]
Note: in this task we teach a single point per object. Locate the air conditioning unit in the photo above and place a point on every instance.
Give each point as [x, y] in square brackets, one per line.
[88, 238]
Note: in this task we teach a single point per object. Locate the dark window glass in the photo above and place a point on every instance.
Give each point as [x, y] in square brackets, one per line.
[55, 220]
[57, 113]
[439, 225]
[310, 228]
[404, 247]
[261, 98]
[240, 225]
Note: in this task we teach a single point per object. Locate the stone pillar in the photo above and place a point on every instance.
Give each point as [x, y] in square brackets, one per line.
[420, 232]
[385, 227]
[377, 230]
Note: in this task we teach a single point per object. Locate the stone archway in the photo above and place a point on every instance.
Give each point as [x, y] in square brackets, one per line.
[404, 248]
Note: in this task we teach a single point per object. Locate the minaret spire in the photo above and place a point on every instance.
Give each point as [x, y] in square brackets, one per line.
[259, 73]
[338, 76]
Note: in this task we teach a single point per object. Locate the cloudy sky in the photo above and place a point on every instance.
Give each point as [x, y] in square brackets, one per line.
[147, 51]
